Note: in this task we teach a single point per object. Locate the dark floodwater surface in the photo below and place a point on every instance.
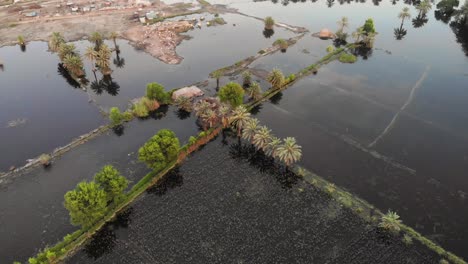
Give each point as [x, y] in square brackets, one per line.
[219, 207]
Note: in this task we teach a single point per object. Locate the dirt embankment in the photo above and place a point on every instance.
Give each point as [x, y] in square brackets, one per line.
[160, 39]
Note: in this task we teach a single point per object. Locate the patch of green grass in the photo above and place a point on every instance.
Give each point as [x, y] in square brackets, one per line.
[347, 58]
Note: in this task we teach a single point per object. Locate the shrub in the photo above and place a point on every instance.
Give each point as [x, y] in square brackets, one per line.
[231, 93]
[390, 222]
[347, 58]
[217, 21]
[86, 204]
[160, 150]
[184, 103]
[407, 240]
[192, 140]
[127, 116]
[283, 44]
[115, 116]
[21, 40]
[342, 36]
[369, 26]
[261, 51]
[276, 78]
[247, 76]
[110, 180]
[45, 159]
[269, 22]
[140, 110]
[290, 78]
[151, 105]
[330, 48]
[155, 91]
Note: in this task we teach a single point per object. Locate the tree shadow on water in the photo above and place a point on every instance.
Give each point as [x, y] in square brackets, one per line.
[118, 130]
[62, 71]
[275, 99]
[104, 241]
[268, 33]
[160, 112]
[182, 114]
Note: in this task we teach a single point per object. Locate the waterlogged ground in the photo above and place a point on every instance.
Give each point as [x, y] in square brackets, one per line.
[224, 206]
[40, 218]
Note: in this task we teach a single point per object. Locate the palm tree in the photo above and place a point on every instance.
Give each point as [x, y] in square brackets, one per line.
[276, 78]
[103, 60]
[254, 91]
[74, 64]
[399, 33]
[239, 118]
[184, 103]
[55, 41]
[66, 49]
[269, 22]
[262, 138]
[247, 76]
[369, 39]
[272, 147]
[343, 23]
[424, 7]
[92, 55]
[209, 117]
[404, 14]
[224, 112]
[114, 36]
[250, 129]
[391, 222]
[359, 33]
[217, 75]
[96, 38]
[201, 107]
[289, 152]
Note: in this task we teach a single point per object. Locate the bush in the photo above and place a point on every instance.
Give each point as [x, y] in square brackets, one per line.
[155, 91]
[86, 204]
[127, 116]
[330, 48]
[291, 78]
[347, 58]
[407, 240]
[192, 140]
[390, 222]
[231, 93]
[151, 105]
[160, 150]
[443, 261]
[140, 110]
[269, 22]
[283, 44]
[115, 116]
[217, 21]
[369, 26]
[45, 159]
[247, 76]
[110, 180]
[261, 51]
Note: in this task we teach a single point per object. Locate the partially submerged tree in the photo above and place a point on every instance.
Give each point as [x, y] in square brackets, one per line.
[112, 182]
[97, 39]
[156, 91]
[74, 65]
[239, 118]
[115, 116]
[86, 204]
[390, 222]
[160, 150]
[250, 129]
[282, 43]
[247, 78]
[231, 93]
[269, 22]
[103, 59]
[343, 23]
[276, 78]
[358, 34]
[114, 36]
[217, 75]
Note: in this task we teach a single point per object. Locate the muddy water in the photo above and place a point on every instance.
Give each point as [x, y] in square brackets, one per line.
[31, 205]
[224, 206]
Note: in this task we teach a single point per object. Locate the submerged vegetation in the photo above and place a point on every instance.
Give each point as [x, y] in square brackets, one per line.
[269, 23]
[347, 58]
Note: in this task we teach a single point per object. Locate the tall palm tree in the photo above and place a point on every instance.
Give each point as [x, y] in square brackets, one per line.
[209, 118]
[358, 34]
[276, 78]
[391, 222]
[262, 138]
[343, 23]
[55, 41]
[184, 103]
[103, 60]
[114, 36]
[224, 113]
[201, 107]
[217, 75]
[250, 129]
[254, 91]
[289, 152]
[272, 147]
[92, 55]
[404, 14]
[73, 64]
[239, 118]
[97, 39]
[424, 7]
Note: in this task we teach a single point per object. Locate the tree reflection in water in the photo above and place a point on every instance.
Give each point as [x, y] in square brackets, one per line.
[399, 33]
[420, 21]
[62, 71]
[268, 33]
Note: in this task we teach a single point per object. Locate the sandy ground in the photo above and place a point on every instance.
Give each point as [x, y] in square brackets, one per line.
[55, 16]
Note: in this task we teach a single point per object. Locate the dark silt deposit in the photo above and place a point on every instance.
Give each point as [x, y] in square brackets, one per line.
[228, 205]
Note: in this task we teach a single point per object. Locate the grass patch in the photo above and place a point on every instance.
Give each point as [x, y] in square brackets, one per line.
[347, 58]
[216, 21]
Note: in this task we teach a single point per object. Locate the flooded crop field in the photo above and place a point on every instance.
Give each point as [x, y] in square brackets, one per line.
[370, 96]
[221, 206]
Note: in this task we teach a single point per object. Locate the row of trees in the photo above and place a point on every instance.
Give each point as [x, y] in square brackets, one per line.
[365, 34]
[90, 201]
[68, 54]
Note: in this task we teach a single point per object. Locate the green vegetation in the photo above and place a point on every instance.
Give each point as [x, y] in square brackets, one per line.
[86, 204]
[155, 91]
[74, 65]
[276, 78]
[404, 14]
[204, 3]
[160, 150]
[239, 118]
[216, 21]
[347, 58]
[55, 41]
[330, 48]
[423, 7]
[443, 261]
[217, 75]
[269, 22]
[115, 116]
[283, 44]
[21, 40]
[44, 159]
[247, 78]
[139, 109]
[390, 222]
[407, 240]
[254, 91]
[97, 39]
[261, 51]
[112, 182]
[184, 103]
[231, 93]
[369, 26]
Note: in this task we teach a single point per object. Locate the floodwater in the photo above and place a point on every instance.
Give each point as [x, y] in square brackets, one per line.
[224, 206]
[40, 219]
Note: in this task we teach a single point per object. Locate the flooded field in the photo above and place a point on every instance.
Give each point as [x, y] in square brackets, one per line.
[219, 207]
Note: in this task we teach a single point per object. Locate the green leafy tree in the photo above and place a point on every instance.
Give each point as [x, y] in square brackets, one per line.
[369, 26]
[391, 222]
[115, 116]
[289, 152]
[112, 182]
[276, 78]
[156, 91]
[160, 150]
[232, 93]
[86, 204]
[269, 22]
